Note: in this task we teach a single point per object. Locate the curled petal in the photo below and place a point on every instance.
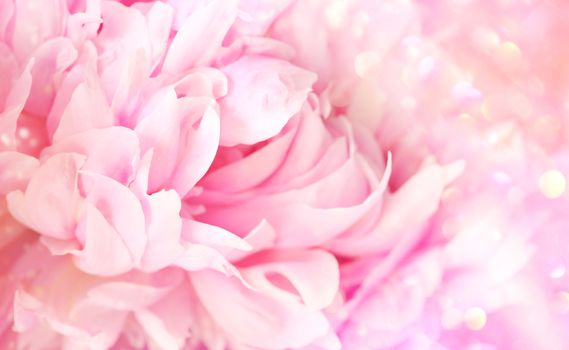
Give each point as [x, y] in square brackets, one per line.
[164, 229]
[50, 202]
[120, 207]
[253, 319]
[104, 253]
[190, 46]
[197, 153]
[313, 274]
[111, 151]
[274, 90]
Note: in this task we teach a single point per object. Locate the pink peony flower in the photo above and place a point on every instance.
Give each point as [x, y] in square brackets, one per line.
[283, 174]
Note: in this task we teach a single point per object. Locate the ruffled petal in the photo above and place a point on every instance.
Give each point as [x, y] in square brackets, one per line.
[190, 46]
[253, 319]
[274, 91]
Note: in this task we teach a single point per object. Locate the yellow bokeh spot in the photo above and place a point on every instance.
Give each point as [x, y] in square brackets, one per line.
[475, 318]
[509, 55]
[367, 64]
[510, 48]
[561, 302]
[552, 184]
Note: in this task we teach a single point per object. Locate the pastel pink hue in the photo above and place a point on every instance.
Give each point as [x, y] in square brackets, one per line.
[283, 174]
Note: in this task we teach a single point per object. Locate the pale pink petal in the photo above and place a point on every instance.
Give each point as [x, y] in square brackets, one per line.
[198, 149]
[213, 236]
[111, 151]
[15, 171]
[87, 108]
[164, 229]
[160, 129]
[274, 90]
[159, 19]
[400, 213]
[9, 68]
[190, 46]
[121, 209]
[203, 81]
[13, 106]
[263, 236]
[50, 202]
[124, 31]
[64, 93]
[6, 12]
[245, 46]
[198, 257]
[256, 17]
[34, 23]
[252, 170]
[256, 320]
[168, 321]
[126, 295]
[101, 240]
[313, 274]
[51, 60]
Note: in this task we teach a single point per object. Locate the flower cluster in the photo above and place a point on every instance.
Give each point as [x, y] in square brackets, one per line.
[283, 174]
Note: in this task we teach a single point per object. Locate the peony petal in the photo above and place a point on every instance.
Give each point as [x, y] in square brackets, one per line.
[6, 12]
[121, 209]
[313, 274]
[203, 81]
[124, 31]
[304, 217]
[105, 252]
[190, 46]
[254, 319]
[87, 108]
[197, 153]
[13, 106]
[404, 212]
[160, 129]
[274, 90]
[198, 257]
[159, 19]
[111, 151]
[51, 59]
[250, 171]
[168, 322]
[16, 169]
[213, 236]
[51, 199]
[164, 229]
[126, 296]
[157, 330]
[34, 23]
[261, 237]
